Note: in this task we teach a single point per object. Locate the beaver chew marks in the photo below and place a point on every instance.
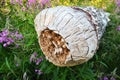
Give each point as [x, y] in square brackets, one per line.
[53, 46]
[70, 36]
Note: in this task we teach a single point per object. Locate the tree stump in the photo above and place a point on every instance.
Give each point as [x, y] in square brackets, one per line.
[70, 36]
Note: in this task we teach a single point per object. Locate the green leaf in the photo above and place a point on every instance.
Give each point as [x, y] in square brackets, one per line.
[7, 64]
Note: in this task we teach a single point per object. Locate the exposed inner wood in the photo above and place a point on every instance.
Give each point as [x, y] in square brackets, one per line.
[53, 46]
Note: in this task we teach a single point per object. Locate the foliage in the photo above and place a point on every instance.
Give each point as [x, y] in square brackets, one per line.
[20, 63]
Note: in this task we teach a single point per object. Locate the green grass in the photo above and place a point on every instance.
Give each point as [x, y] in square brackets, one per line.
[106, 61]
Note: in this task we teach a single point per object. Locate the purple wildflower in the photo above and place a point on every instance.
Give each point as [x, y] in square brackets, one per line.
[20, 2]
[38, 61]
[39, 72]
[1, 39]
[12, 2]
[5, 45]
[12, 34]
[118, 28]
[19, 36]
[43, 2]
[105, 78]
[117, 3]
[17, 1]
[35, 54]
[27, 5]
[23, 8]
[33, 57]
[7, 41]
[5, 33]
[7, 38]
[32, 1]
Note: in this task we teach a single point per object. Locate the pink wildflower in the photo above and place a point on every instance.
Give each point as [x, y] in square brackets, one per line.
[44, 2]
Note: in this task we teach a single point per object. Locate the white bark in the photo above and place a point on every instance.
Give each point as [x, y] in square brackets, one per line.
[79, 31]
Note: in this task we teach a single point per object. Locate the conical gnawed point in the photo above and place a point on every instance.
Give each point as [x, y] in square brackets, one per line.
[70, 36]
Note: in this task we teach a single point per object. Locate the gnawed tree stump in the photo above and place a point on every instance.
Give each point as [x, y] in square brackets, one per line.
[70, 36]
